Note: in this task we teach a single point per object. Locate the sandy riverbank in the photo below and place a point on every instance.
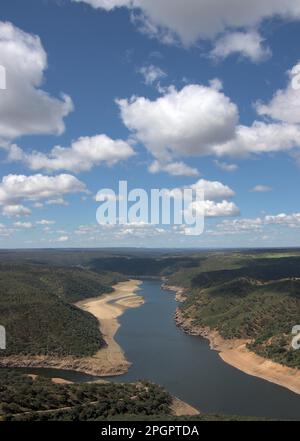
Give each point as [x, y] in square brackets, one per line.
[236, 354]
[108, 361]
[180, 408]
[107, 309]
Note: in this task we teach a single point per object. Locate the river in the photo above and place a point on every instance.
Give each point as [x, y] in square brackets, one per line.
[186, 366]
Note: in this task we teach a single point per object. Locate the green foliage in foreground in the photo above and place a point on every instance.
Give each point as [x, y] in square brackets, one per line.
[251, 297]
[25, 399]
[36, 309]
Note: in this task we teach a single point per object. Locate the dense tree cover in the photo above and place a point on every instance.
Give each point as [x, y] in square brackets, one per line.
[121, 260]
[253, 295]
[25, 399]
[36, 309]
[75, 284]
[128, 262]
[144, 266]
[256, 297]
[249, 294]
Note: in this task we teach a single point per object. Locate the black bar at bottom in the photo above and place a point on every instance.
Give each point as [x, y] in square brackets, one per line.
[92, 431]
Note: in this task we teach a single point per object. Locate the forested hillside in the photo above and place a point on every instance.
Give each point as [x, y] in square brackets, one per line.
[24, 398]
[254, 296]
[37, 311]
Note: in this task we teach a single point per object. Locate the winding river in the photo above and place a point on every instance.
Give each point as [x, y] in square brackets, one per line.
[186, 366]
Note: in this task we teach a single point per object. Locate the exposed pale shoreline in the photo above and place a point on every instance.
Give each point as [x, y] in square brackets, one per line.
[111, 360]
[236, 354]
[108, 361]
[107, 309]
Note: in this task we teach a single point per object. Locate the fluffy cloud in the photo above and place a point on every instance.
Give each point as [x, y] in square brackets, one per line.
[57, 201]
[24, 107]
[173, 168]
[62, 239]
[248, 44]
[133, 231]
[200, 120]
[226, 167]
[108, 5]
[5, 231]
[261, 189]
[258, 224]
[285, 105]
[83, 154]
[290, 220]
[239, 225]
[140, 230]
[152, 74]
[15, 210]
[186, 122]
[17, 188]
[191, 20]
[215, 209]
[260, 138]
[213, 189]
[24, 225]
[45, 222]
[212, 192]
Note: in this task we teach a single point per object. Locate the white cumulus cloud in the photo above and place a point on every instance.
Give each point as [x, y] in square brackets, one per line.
[191, 20]
[213, 189]
[248, 44]
[152, 74]
[261, 189]
[202, 121]
[215, 203]
[24, 225]
[173, 168]
[186, 122]
[83, 154]
[214, 209]
[108, 5]
[261, 137]
[45, 222]
[25, 108]
[15, 210]
[62, 239]
[15, 189]
[224, 166]
[285, 104]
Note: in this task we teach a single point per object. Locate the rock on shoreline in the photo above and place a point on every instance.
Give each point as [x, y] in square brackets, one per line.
[188, 327]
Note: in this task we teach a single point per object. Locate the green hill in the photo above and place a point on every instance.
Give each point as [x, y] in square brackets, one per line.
[258, 298]
[37, 311]
[23, 398]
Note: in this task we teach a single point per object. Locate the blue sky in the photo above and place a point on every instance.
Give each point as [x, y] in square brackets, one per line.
[158, 96]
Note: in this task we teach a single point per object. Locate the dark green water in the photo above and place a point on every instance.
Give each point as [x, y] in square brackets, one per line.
[187, 367]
